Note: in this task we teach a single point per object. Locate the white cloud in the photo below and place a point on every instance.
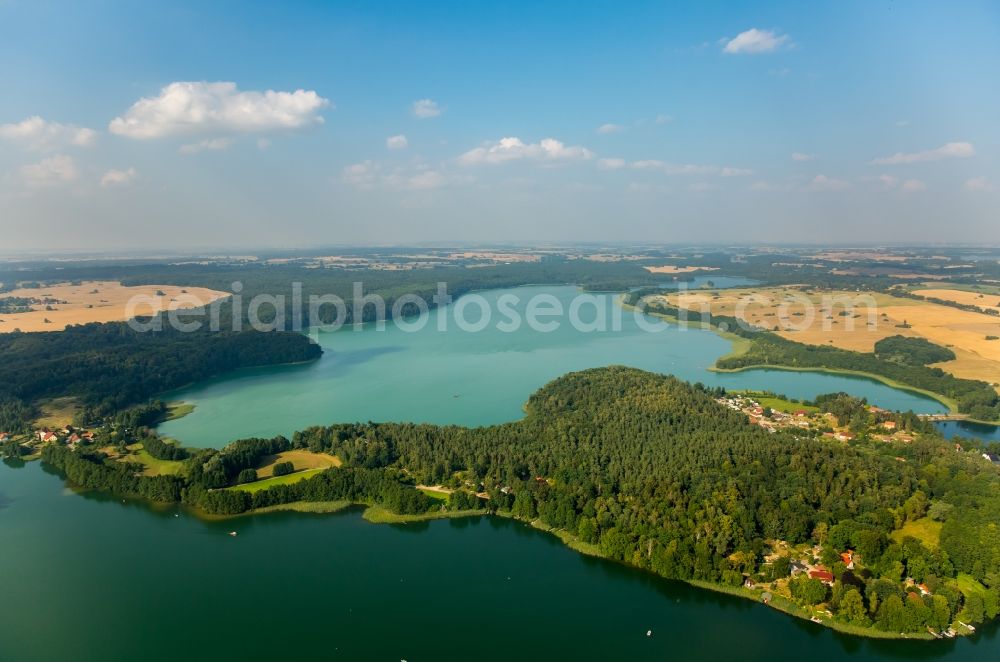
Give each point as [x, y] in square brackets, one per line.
[396, 142]
[426, 108]
[58, 169]
[689, 168]
[911, 185]
[513, 149]
[361, 175]
[800, 156]
[756, 41]
[647, 164]
[37, 133]
[118, 177]
[185, 108]
[978, 184]
[663, 119]
[824, 183]
[213, 144]
[369, 176]
[948, 151]
[610, 128]
[888, 181]
[611, 164]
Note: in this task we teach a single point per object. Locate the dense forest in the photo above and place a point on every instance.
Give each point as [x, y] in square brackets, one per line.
[897, 358]
[111, 366]
[654, 473]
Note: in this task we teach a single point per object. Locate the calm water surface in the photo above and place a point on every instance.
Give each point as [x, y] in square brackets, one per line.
[480, 378]
[86, 578]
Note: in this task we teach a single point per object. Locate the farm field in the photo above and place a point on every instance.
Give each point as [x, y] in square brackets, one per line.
[98, 301]
[856, 321]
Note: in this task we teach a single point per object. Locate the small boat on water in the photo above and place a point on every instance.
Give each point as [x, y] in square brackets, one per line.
[233, 534]
[815, 620]
[649, 633]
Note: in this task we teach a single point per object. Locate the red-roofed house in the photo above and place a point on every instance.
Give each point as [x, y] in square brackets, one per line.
[848, 559]
[46, 435]
[4, 436]
[821, 574]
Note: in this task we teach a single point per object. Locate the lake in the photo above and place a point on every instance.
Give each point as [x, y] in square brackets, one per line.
[90, 578]
[475, 378]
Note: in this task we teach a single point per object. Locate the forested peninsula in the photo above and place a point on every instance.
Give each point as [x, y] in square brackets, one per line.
[652, 472]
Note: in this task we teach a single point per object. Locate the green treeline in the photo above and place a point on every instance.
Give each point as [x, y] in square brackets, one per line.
[111, 366]
[900, 359]
[656, 474]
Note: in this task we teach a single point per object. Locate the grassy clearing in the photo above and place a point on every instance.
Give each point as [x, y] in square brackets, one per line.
[778, 404]
[177, 410]
[57, 413]
[437, 495]
[276, 480]
[153, 466]
[302, 460]
[322, 507]
[379, 515]
[924, 529]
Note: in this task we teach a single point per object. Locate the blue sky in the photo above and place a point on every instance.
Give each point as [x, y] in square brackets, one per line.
[241, 124]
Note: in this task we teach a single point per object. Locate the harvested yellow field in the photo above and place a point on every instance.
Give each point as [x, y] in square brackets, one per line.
[62, 305]
[671, 269]
[300, 459]
[856, 321]
[980, 299]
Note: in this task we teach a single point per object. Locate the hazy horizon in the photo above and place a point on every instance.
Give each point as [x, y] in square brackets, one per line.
[185, 127]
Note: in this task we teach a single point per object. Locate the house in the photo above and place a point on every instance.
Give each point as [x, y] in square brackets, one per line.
[844, 436]
[74, 439]
[992, 457]
[923, 589]
[46, 435]
[821, 574]
[800, 413]
[4, 436]
[889, 425]
[797, 567]
[848, 559]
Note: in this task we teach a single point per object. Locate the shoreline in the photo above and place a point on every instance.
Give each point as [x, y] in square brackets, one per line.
[738, 350]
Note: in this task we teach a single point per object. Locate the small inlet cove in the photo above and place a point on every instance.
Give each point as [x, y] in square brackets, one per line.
[484, 588]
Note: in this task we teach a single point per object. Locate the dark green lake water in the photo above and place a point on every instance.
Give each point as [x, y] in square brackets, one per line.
[85, 578]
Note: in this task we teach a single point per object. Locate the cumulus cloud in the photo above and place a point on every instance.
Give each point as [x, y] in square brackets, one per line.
[824, 183]
[118, 177]
[58, 169]
[611, 164]
[610, 128]
[213, 144]
[39, 134]
[396, 142]
[978, 184]
[426, 108]
[362, 175]
[801, 156]
[547, 150]
[186, 108]
[947, 151]
[756, 41]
